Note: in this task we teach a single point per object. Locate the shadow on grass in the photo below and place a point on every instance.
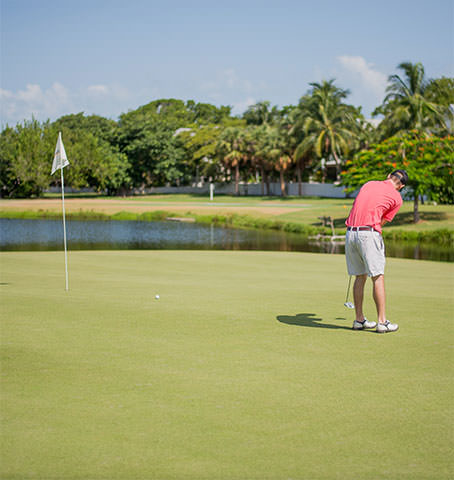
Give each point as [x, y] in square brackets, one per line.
[406, 218]
[401, 219]
[308, 320]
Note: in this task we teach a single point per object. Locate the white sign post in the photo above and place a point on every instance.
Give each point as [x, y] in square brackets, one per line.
[211, 191]
[60, 162]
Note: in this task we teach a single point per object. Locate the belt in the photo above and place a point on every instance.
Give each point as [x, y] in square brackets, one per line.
[361, 229]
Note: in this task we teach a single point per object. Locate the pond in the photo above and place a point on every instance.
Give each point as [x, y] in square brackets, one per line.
[35, 235]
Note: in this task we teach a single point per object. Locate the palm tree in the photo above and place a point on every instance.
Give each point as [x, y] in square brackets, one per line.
[268, 134]
[328, 126]
[260, 114]
[232, 148]
[258, 136]
[295, 136]
[274, 149]
[407, 105]
[290, 140]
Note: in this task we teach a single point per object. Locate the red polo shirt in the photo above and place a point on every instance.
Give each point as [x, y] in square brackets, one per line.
[377, 200]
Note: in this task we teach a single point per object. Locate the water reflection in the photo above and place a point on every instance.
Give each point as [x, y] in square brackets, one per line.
[18, 234]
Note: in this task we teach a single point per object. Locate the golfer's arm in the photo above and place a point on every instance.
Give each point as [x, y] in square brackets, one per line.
[383, 222]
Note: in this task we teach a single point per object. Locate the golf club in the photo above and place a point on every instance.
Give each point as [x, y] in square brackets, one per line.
[347, 303]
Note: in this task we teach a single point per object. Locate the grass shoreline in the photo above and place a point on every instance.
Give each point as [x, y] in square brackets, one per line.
[439, 236]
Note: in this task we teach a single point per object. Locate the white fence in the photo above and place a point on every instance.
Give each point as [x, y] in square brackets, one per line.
[327, 190]
[255, 189]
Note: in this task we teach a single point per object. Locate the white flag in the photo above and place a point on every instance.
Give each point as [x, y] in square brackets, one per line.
[60, 159]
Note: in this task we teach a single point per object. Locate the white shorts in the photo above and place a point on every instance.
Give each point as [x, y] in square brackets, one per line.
[364, 253]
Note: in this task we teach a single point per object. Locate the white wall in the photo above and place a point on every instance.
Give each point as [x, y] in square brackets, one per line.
[255, 189]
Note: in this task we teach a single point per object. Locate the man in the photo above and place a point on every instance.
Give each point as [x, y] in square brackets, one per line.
[376, 203]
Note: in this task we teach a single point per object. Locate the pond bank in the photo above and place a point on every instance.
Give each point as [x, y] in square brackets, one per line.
[442, 236]
[44, 234]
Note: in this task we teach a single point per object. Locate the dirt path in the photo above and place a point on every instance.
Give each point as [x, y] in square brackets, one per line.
[119, 205]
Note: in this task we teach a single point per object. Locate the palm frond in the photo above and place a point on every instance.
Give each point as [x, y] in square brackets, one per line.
[319, 143]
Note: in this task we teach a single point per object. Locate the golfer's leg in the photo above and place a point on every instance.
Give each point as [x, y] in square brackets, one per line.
[358, 296]
[379, 296]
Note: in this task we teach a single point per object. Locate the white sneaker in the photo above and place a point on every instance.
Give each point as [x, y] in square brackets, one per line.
[364, 324]
[387, 327]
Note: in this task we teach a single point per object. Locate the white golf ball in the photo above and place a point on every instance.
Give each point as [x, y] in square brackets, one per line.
[157, 297]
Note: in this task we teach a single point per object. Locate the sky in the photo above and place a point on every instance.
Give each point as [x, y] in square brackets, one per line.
[107, 57]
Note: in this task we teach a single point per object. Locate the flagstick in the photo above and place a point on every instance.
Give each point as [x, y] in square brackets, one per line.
[64, 226]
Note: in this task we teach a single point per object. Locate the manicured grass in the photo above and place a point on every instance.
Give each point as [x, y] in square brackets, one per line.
[245, 368]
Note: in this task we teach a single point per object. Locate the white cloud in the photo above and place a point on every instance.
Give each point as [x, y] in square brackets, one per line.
[371, 79]
[225, 87]
[229, 88]
[226, 80]
[34, 101]
[98, 89]
[57, 100]
[231, 78]
[239, 107]
[366, 83]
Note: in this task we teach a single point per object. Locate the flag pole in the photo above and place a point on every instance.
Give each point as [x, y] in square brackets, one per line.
[60, 162]
[64, 226]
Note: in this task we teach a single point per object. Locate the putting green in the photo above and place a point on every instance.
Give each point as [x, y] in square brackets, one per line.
[245, 368]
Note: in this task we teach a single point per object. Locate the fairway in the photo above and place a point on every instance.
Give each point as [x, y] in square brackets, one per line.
[245, 368]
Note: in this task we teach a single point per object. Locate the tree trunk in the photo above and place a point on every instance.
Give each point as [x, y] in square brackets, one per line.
[298, 175]
[262, 181]
[281, 176]
[416, 209]
[237, 179]
[338, 165]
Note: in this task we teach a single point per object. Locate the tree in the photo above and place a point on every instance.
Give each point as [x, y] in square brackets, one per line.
[154, 153]
[410, 104]
[328, 127]
[205, 113]
[232, 147]
[427, 159]
[441, 92]
[257, 138]
[200, 144]
[100, 127]
[260, 114]
[147, 137]
[94, 163]
[153, 138]
[26, 153]
[274, 148]
[294, 137]
[95, 159]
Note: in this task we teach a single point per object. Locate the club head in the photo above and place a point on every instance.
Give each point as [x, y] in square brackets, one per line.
[349, 305]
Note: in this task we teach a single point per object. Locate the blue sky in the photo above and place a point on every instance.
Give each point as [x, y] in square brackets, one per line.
[106, 57]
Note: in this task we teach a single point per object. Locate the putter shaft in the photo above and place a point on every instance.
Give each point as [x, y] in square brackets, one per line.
[348, 288]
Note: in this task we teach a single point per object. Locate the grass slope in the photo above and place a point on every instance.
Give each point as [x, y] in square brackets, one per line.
[290, 209]
[246, 368]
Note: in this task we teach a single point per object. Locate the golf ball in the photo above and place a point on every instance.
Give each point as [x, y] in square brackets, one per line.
[157, 297]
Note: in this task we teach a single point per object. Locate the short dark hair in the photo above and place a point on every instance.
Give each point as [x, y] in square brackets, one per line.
[401, 175]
